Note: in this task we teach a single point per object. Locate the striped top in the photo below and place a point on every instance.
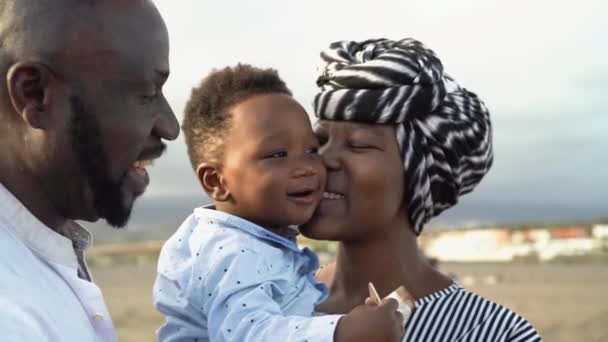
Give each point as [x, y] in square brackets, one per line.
[455, 314]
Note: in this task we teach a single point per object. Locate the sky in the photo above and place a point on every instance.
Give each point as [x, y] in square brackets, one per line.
[540, 66]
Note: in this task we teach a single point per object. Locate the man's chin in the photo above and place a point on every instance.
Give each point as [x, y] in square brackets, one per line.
[117, 212]
[118, 220]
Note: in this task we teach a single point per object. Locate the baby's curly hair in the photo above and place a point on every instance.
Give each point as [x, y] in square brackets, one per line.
[207, 115]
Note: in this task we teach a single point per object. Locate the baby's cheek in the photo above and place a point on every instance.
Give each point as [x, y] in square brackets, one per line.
[322, 174]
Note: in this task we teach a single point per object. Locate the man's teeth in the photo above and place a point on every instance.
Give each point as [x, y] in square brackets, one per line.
[142, 164]
[331, 195]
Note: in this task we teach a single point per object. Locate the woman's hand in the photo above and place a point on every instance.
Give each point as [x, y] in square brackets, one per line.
[371, 322]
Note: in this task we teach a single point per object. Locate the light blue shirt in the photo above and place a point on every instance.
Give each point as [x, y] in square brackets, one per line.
[223, 278]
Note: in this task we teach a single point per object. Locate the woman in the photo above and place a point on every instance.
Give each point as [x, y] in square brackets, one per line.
[401, 142]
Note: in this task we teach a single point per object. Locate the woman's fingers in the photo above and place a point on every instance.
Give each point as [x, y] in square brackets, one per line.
[389, 304]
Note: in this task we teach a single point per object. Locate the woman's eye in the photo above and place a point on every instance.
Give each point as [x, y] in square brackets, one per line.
[322, 140]
[279, 154]
[357, 145]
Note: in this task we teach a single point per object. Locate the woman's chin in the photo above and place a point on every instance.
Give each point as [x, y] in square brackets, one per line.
[316, 229]
[309, 230]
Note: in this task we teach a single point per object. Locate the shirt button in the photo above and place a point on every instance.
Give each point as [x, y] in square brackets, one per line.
[98, 317]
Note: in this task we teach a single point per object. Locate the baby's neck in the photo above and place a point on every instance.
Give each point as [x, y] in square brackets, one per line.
[286, 232]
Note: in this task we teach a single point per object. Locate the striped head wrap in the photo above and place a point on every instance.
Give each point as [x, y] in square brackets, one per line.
[443, 130]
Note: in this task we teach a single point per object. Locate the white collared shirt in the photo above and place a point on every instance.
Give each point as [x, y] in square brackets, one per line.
[42, 297]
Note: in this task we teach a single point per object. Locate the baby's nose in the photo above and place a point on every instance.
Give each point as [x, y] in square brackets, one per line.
[306, 171]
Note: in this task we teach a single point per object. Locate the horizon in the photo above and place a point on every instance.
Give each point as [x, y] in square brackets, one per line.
[539, 67]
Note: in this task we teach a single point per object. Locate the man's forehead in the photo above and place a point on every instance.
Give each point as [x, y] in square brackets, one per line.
[120, 43]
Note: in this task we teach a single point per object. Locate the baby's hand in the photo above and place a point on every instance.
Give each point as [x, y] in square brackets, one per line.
[371, 322]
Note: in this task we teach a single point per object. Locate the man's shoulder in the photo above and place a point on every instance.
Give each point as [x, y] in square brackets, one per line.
[19, 324]
[16, 257]
[20, 269]
[22, 293]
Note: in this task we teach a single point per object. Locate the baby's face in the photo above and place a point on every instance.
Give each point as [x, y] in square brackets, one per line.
[270, 164]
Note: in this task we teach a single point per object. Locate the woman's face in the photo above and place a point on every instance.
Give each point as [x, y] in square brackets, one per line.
[365, 181]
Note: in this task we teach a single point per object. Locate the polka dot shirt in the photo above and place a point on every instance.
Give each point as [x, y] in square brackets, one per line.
[223, 278]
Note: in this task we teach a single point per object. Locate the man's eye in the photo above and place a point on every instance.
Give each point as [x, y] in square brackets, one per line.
[150, 97]
[279, 154]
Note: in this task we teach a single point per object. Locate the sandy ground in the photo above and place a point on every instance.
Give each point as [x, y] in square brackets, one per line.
[564, 302]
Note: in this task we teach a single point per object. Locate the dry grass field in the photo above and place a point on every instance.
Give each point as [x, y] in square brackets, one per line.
[565, 302]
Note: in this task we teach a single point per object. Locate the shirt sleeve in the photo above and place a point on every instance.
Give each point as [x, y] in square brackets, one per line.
[17, 325]
[241, 304]
[523, 331]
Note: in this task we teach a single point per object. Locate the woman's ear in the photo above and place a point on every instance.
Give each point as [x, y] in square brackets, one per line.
[209, 175]
[28, 85]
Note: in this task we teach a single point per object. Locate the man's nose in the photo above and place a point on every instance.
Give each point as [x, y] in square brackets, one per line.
[166, 126]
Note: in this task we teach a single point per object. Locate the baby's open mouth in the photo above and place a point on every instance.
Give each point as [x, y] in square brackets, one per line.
[303, 193]
[304, 196]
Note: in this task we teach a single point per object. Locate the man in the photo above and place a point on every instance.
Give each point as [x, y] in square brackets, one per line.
[81, 115]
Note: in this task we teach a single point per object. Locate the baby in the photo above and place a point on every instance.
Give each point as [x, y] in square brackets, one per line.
[233, 271]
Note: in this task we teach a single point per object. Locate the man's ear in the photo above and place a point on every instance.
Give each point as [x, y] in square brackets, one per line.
[28, 85]
[210, 177]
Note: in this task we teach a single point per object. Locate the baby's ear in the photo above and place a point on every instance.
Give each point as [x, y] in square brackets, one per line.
[209, 175]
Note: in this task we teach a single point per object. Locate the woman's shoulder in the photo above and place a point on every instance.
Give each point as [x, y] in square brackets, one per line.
[455, 313]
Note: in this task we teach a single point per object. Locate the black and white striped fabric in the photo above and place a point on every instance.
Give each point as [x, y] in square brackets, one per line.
[455, 314]
[443, 130]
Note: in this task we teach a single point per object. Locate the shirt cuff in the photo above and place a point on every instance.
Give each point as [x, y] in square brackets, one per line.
[322, 328]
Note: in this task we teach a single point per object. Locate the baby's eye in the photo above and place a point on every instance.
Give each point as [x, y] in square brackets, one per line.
[278, 154]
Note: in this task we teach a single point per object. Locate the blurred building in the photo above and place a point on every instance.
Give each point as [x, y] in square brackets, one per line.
[507, 244]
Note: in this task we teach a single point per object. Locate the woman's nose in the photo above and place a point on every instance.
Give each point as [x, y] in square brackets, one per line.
[330, 156]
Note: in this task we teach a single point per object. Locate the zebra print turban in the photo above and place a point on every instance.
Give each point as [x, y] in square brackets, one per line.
[443, 130]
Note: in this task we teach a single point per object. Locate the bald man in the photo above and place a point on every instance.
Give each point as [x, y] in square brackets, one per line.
[81, 116]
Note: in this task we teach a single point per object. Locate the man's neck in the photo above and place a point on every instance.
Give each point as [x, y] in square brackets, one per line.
[25, 187]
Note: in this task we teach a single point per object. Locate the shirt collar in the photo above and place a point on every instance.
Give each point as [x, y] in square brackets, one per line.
[51, 245]
[210, 214]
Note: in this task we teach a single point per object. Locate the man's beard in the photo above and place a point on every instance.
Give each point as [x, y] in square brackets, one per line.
[85, 137]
